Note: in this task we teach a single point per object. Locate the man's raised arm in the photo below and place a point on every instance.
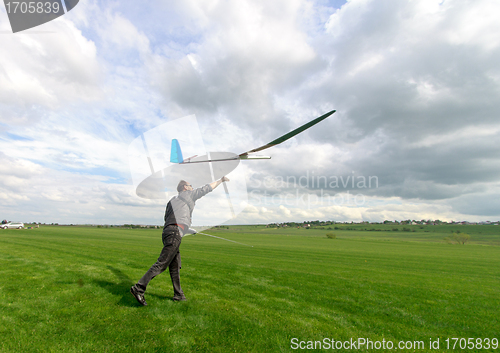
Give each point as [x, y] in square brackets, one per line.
[218, 182]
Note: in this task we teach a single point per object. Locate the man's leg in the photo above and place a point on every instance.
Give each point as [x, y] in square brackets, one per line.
[174, 268]
[171, 242]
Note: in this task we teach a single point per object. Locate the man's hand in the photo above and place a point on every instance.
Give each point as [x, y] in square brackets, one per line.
[218, 182]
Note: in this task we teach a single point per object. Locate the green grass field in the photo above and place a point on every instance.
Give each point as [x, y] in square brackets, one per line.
[66, 289]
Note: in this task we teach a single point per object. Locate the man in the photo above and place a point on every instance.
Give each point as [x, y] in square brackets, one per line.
[177, 222]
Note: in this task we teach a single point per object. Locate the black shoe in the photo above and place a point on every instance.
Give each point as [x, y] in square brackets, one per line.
[179, 298]
[138, 296]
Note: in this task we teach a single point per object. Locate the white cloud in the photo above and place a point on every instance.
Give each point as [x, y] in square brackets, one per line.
[475, 27]
[415, 85]
[47, 70]
[120, 33]
[248, 50]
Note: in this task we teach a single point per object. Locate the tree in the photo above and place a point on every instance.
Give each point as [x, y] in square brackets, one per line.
[331, 236]
[463, 238]
[459, 238]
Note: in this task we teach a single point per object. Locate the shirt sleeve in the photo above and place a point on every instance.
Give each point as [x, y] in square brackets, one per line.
[200, 192]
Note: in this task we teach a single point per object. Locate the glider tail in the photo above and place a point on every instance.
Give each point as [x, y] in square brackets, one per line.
[175, 152]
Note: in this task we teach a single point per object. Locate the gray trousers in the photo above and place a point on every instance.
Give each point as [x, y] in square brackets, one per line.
[169, 257]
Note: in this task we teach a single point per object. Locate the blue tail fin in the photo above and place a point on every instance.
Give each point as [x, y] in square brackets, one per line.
[175, 152]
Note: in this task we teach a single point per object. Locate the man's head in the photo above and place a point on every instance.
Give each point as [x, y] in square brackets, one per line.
[184, 185]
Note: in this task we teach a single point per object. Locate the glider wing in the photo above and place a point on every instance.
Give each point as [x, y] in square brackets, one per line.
[176, 154]
[288, 135]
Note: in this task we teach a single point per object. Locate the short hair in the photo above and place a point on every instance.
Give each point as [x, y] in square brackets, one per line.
[180, 186]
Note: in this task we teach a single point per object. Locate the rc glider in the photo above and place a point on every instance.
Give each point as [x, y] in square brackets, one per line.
[200, 170]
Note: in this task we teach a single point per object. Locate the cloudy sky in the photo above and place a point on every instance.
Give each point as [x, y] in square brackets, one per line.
[416, 87]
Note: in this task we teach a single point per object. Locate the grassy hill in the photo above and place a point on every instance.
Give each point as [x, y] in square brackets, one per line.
[65, 289]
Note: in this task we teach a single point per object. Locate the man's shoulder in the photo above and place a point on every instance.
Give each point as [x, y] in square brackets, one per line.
[173, 199]
[184, 194]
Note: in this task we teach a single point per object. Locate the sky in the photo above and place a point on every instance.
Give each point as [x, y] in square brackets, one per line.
[415, 86]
